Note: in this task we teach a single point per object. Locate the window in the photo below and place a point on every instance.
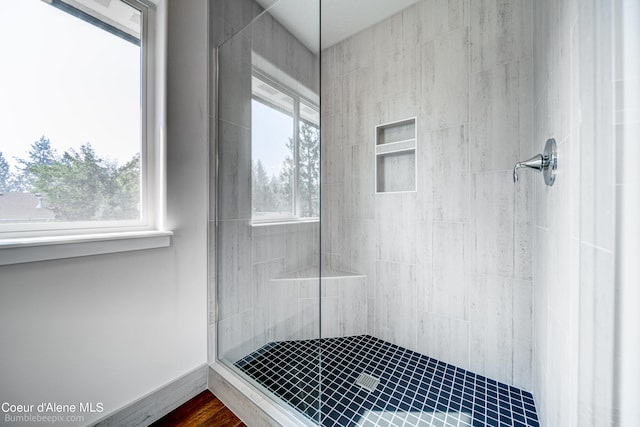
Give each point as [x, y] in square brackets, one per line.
[285, 153]
[77, 141]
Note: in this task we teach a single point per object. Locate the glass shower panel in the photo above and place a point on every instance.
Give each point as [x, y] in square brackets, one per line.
[268, 230]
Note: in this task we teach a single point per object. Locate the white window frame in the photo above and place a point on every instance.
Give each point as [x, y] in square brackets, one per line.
[29, 242]
[297, 100]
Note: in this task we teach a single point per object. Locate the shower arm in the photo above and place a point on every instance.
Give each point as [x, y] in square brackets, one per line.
[536, 163]
[547, 162]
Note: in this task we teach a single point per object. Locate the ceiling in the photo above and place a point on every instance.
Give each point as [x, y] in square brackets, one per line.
[340, 18]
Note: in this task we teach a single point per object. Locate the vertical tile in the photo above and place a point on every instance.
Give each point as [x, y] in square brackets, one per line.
[493, 204]
[239, 13]
[263, 273]
[597, 329]
[410, 24]
[361, 236]
[395, 303]
[399, 106]
[396, 219]
[331, 80]
[357, 106]
[358, 51]
[501, 32]
[449, 293]
[541, 304]
[331, 150]
[495, 118]
[528, 145]
[425, 164]
[559, 381]
[523, 228]
[330, 319]
[458, 13]
[234, 267]
[450, 174]
[359, 181]
[234, 171]
[443, 338]
[424, 266]
[283, 306]
[491, 329]
[389, 70]
[444, 65]
[432, 19]
[332, 220]
[301, 246]
[268, 243]
[522, 334]
[234, 336]
[352, 296]
[234, 80]
[371, 316]
[309, 311]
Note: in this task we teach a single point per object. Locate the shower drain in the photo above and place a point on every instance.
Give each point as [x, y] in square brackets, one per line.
[367, 382]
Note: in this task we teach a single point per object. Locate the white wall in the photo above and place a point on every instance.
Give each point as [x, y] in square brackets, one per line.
[112, 328]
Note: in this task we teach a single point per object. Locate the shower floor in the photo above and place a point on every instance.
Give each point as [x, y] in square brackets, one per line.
[319, 378]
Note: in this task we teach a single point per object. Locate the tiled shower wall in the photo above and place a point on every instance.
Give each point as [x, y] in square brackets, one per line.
[574, 235]
[449, 270]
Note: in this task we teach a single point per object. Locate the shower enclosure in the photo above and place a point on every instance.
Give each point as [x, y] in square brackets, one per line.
[375, 264]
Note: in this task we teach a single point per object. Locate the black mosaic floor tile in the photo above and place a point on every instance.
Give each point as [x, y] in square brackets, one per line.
[319, 379]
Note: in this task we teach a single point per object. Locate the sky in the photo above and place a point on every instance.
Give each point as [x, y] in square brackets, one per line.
[270, 131]
[68, 80]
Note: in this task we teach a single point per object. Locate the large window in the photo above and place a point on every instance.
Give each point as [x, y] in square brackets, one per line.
[75, 149]
[285, 153]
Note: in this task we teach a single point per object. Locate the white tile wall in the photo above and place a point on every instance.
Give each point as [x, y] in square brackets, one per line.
[449, 292]
[460, 73]
[573, 267]
[445, 80]
[396, 219]
[395, 303]
[450, 165]
[444, 338]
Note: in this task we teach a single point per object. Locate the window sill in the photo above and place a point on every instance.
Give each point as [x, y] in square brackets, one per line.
[288, 221]
[31, 249]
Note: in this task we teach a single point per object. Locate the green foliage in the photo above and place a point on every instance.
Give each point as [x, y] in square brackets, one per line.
[275, 194]
[40, 153]
[264, 198]
[80, 185]
[309, 171]
[5, 175]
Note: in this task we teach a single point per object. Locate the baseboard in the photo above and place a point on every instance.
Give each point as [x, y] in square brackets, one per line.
[159, 403]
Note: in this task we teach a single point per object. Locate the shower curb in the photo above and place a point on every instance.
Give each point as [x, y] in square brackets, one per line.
[251, 406]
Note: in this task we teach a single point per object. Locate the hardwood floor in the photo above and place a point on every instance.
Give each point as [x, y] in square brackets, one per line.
[203, 410]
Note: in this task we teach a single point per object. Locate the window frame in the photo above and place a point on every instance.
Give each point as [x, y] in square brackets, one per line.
[298, 98]
[18, 240]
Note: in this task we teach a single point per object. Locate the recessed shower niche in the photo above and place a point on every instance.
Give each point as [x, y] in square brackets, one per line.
[396, 156]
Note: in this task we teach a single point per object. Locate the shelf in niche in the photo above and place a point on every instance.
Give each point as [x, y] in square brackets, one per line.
[396, 156]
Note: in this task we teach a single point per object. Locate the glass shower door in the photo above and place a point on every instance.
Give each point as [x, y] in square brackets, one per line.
[268, 206]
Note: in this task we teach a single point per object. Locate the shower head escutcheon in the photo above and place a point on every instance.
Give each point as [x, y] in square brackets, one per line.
[547, 163]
